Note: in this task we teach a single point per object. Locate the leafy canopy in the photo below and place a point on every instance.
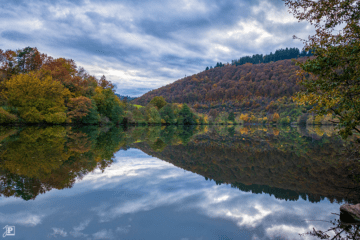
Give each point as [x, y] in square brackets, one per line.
[331, 79]
[37, 99]
[158, 102]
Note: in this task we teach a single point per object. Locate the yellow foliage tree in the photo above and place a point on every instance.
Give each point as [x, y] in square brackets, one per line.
[244, 117]
[37, 99]
[275, 117]
[253, 119]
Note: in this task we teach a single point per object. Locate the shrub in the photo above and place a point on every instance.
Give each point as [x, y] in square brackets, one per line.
[55, 118]
[6, 117]
[31, 115]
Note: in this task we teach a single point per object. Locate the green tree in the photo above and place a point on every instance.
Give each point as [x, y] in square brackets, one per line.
[332, 78]
[152, 115]
[231, 116]
[108, 104]
[158, 102]
[167, 113]
[186, 116]
[138, 116]
[92, 116]
[222, 118]
[6, 117]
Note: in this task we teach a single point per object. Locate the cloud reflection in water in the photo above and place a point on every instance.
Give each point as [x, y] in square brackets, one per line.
[142, 196]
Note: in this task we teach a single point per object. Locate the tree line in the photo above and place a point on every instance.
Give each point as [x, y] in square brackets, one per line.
[38, 89]
[280, 54]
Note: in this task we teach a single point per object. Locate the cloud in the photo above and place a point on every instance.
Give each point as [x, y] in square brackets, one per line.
[77, 230]
[60, 232]
[103, 234]
[23, 218]
[123, 230]
[147, 44]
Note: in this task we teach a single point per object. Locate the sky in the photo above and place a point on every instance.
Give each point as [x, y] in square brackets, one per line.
[142, 45]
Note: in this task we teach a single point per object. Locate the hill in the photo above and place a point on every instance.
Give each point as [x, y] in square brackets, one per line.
[261, 89]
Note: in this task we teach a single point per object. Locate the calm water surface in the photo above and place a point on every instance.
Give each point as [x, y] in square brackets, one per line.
[173, 183]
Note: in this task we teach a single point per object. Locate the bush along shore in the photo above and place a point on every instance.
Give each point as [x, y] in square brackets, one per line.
[159, 112]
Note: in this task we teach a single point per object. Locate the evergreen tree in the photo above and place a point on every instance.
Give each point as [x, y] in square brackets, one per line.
[231, 116]
[186, 116]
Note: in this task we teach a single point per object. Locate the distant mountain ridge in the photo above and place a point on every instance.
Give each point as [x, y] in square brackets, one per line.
[122, 97]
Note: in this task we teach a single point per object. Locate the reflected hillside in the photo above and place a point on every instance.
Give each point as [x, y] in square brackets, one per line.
[290, 163]
[35, 160]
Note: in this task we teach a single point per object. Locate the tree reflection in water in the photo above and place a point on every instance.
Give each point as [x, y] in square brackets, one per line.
[289, 163]
[36, 160]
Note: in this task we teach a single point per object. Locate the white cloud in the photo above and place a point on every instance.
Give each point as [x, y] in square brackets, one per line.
[77, 230]
[123, 230]
[60, 232]
[22, 218]
[103, 234]
[273, 13]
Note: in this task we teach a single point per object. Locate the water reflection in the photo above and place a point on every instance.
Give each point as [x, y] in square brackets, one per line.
[290, 164]
[338, 230]
[36, 160]
[111, 189]
[293, 163]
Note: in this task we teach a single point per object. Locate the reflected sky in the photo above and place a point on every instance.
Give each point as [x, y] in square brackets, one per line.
[142, 197]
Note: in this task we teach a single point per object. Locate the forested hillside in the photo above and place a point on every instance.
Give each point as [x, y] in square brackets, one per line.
[261, 89]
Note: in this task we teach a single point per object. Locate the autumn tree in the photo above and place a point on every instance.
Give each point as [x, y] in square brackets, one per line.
[332, 78]
[105, 83]
[244, 117]
[82, 110]
[64, 71]
[213, 113]
[37, 100]
[275, 117]
[158, 102]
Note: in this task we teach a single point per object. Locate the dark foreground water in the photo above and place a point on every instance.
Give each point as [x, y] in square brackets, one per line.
[174, 183]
